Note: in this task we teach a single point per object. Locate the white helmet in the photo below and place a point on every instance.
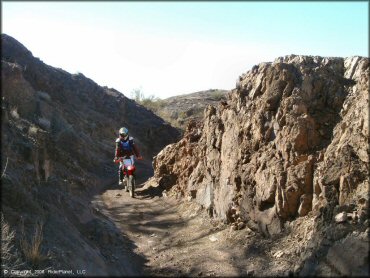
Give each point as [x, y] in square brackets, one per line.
[123, 132]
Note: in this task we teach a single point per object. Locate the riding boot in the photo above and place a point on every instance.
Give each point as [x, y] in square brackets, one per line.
[120, 173]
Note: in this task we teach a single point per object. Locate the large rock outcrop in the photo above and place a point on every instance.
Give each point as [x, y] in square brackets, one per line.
[287, 154]
[292, 138]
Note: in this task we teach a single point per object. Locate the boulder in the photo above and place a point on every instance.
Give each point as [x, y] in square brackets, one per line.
[341, 217]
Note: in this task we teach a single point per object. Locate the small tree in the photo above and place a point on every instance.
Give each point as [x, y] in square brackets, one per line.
[150, 102]
[137, 95]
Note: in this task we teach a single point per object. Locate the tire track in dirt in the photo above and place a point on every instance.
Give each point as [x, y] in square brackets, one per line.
[146, 220]
[175, 238]
[178, 238]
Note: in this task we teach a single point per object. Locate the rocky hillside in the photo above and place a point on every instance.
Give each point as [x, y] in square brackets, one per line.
[58, 134]
[286, 154]
[182, 109]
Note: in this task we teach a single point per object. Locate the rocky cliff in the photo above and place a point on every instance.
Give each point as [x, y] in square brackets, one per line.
[58, 134]
[289, 146]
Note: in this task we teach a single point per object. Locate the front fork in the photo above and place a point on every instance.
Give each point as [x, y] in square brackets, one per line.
[121, 166]
[128, 177]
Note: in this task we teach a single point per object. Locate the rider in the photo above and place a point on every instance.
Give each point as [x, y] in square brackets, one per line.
[125, 148]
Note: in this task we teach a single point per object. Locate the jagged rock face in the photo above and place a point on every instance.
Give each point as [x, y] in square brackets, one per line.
[292, 138]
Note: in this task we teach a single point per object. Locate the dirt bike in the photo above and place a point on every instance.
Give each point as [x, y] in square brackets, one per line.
[128, 170]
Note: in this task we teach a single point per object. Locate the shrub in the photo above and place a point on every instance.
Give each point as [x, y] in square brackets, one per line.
[150, 102]
[9, 257]
[218, 95]
[32, 250]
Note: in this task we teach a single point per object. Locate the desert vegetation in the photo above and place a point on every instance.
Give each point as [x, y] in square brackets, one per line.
[9, 254]
[32, 248]
[180, 110]
[151, 102]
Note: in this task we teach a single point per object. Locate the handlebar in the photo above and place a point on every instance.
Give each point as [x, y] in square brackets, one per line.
[117, 160]
[120, 159]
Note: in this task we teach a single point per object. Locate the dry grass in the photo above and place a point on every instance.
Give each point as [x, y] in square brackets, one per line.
[2, 175]
[9, 258]
[32, 250]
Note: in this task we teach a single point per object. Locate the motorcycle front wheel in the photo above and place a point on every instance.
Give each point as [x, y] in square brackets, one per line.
[131, 185]
[125, 181]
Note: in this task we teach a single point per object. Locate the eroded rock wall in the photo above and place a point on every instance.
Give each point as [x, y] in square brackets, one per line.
[291, 139]
[58, 138]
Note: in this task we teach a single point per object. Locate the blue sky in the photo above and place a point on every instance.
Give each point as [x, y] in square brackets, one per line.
[170, 48]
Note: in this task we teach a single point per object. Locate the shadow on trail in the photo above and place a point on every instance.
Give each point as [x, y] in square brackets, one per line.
[158, 230]
[150, 193]
[155, 229]
[146, 214]
[75, 224]
[113, 242]
[115, 246]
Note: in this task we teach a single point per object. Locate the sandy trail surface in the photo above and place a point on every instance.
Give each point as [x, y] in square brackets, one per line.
[178, 238]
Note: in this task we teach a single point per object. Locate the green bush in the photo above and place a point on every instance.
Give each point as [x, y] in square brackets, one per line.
[151, 102]
[218, 95]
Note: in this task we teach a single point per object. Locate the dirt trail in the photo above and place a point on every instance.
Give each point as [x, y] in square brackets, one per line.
[178, 238]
